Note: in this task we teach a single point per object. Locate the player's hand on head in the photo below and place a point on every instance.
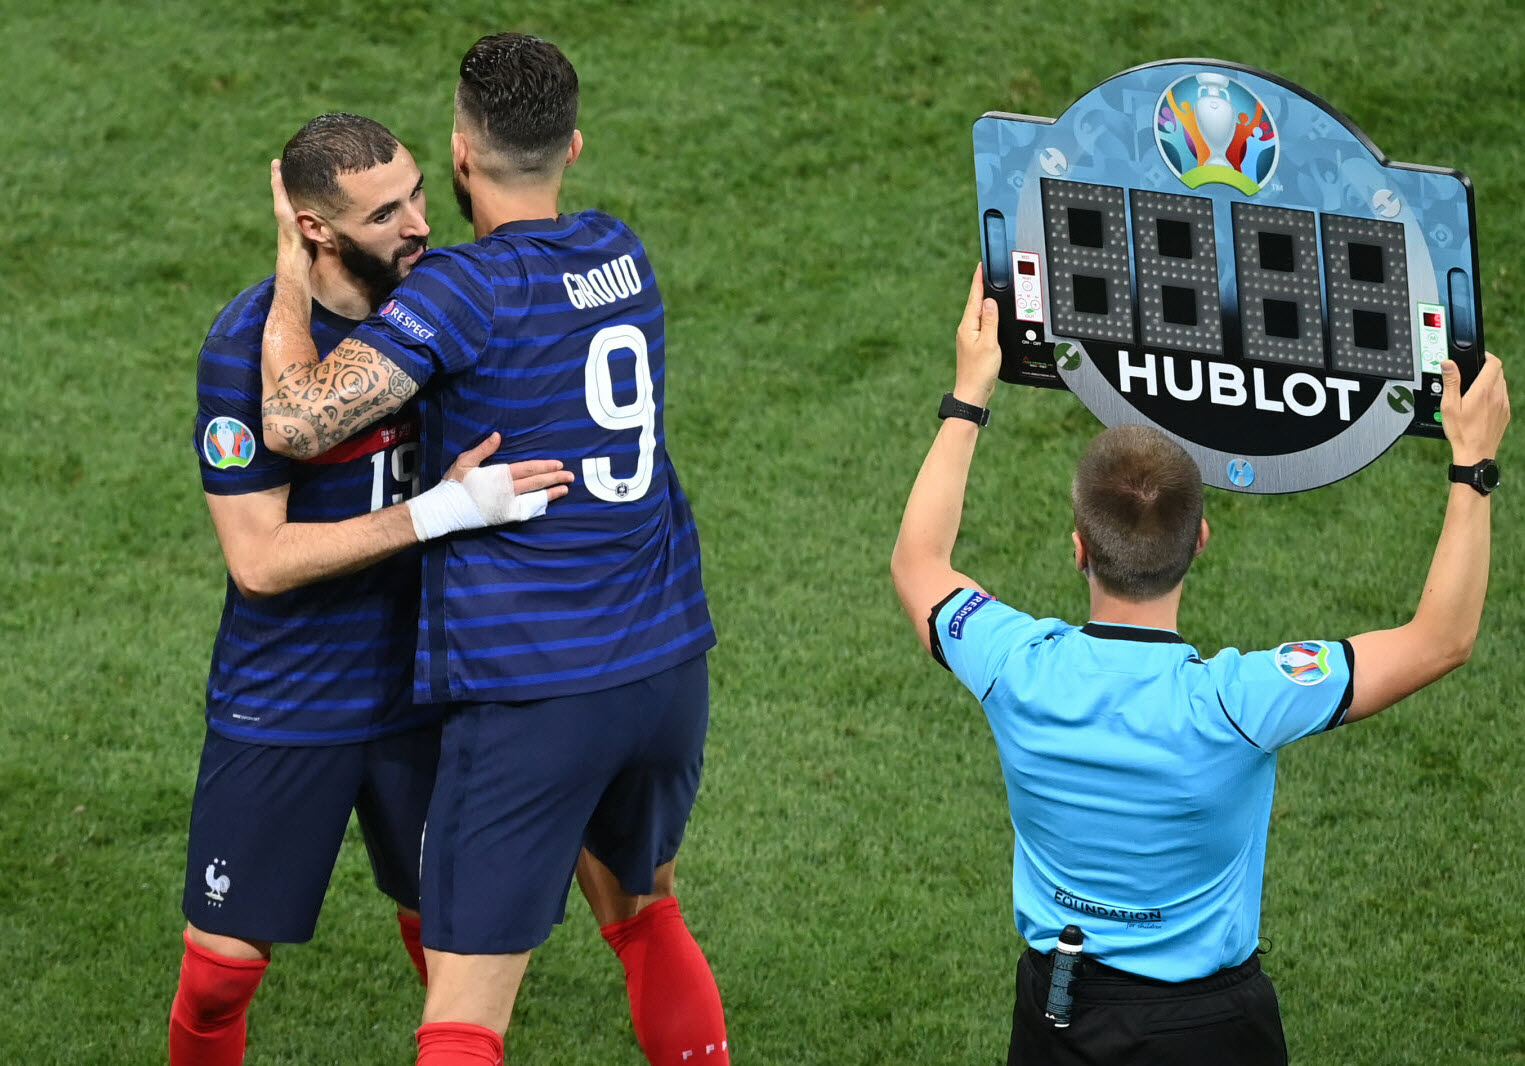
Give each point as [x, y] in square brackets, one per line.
[979, 348]
[288, 233]
[1475, 421]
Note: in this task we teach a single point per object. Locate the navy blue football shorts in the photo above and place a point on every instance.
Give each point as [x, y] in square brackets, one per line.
[523, 786]
[267, 821]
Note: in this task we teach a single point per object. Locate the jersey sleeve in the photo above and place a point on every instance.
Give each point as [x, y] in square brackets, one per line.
[1278, 696]
[973, 634]
[437, 321]
[232, 453]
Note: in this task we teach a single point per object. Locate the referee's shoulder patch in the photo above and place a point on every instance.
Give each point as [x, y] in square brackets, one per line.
[961, 616]
[1303, 662]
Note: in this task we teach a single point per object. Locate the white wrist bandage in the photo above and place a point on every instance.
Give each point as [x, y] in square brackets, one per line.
[485, 497]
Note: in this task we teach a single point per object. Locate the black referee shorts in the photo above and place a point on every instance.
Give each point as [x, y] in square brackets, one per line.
[1229, 1018]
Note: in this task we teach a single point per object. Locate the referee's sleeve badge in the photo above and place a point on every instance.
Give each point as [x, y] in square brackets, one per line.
[961, 616]
[1303, 662]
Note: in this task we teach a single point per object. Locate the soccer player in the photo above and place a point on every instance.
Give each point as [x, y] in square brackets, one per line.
[569, 651]
[309, 702]
[1140, 776]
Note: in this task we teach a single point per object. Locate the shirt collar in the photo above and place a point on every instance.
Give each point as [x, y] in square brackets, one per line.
[1145, 634]
[533, 225]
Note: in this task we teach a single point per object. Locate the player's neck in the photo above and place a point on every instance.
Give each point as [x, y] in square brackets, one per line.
[338, 290]
[498, 205]
[1158, 613]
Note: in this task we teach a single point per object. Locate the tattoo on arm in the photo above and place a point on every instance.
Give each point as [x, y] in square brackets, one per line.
[316, 407]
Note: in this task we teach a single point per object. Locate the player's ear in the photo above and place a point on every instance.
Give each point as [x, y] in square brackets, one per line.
[1202, 536]
[314, 228]
[575, 148]
[460, 152]
[1081, 561]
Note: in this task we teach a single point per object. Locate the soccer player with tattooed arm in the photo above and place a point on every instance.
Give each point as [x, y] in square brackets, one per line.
[1139, 775]
[568, 654]
[309, 704]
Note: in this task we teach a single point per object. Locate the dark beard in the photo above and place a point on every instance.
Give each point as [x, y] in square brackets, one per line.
[378, 275]
[462, 198]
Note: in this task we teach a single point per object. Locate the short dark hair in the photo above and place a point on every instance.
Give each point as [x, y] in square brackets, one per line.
[521, 92]
[1138, 508]
[326, 147]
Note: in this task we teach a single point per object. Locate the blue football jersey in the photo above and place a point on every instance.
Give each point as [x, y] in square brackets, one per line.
[329, 662]
[550, 332]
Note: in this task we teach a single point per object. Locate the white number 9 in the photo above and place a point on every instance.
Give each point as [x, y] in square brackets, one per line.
[640, 412]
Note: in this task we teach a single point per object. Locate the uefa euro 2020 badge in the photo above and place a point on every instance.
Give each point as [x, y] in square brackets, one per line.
[1213, 128]
[1304, 661]
[227, 443]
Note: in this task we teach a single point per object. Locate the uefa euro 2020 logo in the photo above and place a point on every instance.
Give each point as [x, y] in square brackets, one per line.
[227, 443]
[1210, 128]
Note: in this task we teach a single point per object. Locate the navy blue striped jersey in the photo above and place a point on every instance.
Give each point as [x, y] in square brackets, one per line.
[550, 332]
[330, 662]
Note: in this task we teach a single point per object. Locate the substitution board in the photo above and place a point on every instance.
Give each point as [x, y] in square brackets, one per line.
[1212, 250]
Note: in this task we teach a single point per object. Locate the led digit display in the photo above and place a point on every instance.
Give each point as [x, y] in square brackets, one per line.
[1212, 250]
[1176, 255]
[1280, 305]
[1366, 264]
[1090, 284]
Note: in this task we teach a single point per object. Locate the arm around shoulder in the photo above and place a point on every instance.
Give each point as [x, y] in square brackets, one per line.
[310, 404]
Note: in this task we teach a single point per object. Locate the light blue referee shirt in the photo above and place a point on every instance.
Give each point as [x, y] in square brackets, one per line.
[1139, 775]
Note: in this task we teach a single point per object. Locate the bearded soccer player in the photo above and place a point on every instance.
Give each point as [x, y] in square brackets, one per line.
[572, 657]
[309, 705]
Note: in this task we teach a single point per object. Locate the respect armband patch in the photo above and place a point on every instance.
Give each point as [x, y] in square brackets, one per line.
[961, 616]
[406, 321]
[1304, 662]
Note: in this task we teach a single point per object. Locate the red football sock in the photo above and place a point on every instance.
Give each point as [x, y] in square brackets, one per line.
[411, 929]
[674, 1004]
[458, 1044]
[207, 1020]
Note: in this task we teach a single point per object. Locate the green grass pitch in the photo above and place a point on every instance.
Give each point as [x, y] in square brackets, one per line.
[802, 175]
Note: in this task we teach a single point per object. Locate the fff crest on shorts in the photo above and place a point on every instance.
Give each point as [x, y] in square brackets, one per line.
[1212, 128]
[227, 443]
[1211, 250]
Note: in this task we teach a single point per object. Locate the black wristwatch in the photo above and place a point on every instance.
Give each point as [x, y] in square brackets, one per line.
[953, 407]
[1483, 476]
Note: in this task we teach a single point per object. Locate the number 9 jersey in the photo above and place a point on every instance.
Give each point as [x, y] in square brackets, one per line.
[550, 332]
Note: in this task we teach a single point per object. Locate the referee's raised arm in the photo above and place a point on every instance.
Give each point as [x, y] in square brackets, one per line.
[922, 560]
[1393, 663]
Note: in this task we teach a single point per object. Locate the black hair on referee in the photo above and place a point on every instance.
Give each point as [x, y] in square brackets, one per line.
[326, 147]
[1138, 509]
[521, 92]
